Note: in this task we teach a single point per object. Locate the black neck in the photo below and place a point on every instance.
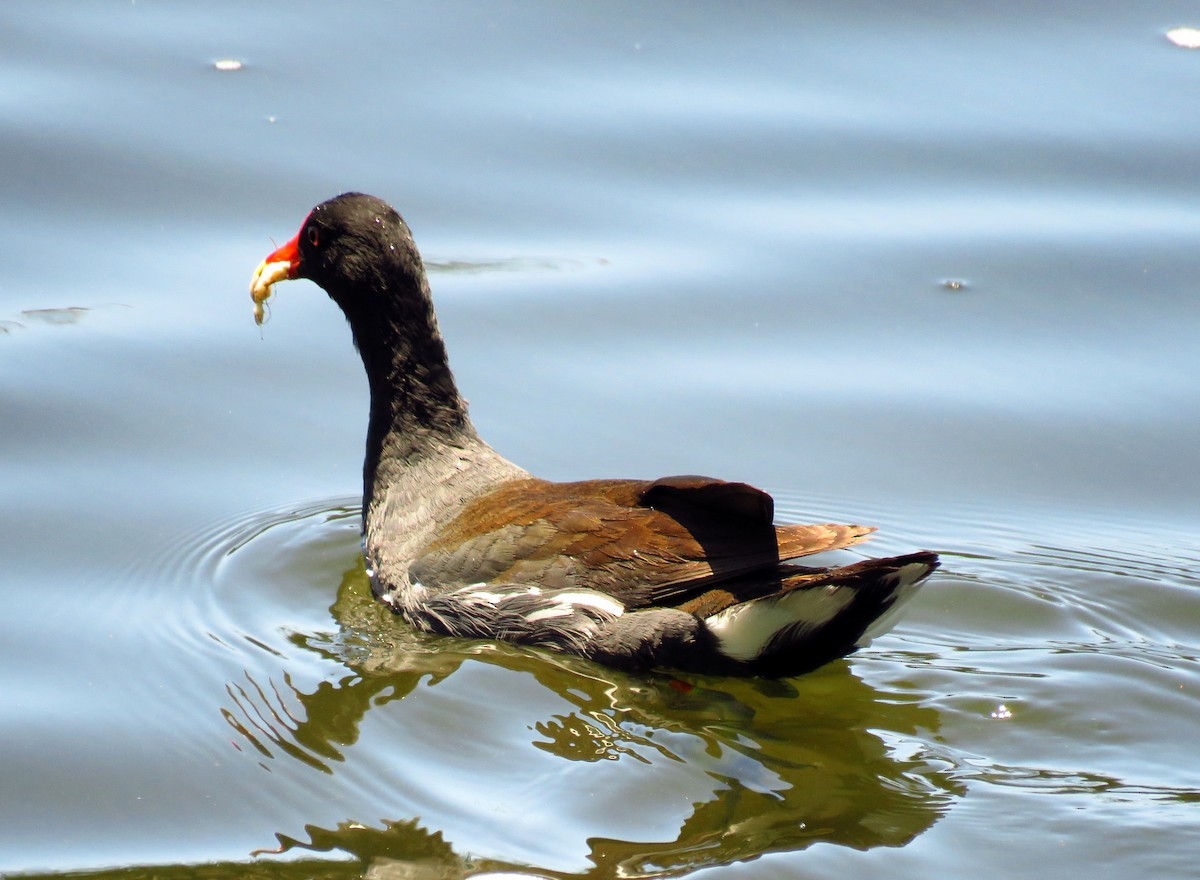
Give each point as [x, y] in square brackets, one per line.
[416, 410]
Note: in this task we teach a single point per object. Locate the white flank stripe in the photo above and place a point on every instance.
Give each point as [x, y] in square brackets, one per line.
[602, 603]
[550, 613]
[486, 597]
[479, 593]
[744, 630]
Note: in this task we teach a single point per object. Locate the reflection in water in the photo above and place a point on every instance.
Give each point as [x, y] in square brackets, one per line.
[789, 763]
[427, 857]
[678, 775]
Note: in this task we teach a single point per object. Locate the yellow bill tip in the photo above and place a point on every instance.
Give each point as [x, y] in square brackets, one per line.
[262, 284]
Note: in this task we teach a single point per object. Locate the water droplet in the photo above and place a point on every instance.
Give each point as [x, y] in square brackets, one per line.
[227, 64]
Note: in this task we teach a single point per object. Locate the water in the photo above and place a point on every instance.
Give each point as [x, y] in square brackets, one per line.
[930, 267]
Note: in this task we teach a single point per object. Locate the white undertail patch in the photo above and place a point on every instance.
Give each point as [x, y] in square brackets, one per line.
[744, 630]
[907, 577]
[599, 601]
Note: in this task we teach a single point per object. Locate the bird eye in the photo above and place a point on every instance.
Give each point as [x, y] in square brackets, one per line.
[314, 237]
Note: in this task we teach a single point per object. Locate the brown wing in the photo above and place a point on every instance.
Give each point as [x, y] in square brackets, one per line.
[644, 542]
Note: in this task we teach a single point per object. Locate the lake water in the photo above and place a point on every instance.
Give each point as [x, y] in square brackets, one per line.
[932, 266]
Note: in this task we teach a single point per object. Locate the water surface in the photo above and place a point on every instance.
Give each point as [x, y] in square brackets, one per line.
[931, 268]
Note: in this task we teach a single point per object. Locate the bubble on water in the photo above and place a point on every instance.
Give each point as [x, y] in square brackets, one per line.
[1002, 713]
[227, 64]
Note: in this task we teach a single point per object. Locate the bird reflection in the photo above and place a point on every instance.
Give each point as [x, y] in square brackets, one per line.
[825, 758]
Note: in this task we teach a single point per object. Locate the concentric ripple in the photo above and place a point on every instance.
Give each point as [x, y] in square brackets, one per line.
[253, 577]
[1000, 681]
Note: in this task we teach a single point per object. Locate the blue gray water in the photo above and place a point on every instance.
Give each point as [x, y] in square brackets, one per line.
[931, 266]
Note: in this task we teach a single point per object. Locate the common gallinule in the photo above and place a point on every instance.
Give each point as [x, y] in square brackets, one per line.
[689, 573]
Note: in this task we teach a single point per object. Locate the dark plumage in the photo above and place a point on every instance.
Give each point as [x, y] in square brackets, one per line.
[682, 572]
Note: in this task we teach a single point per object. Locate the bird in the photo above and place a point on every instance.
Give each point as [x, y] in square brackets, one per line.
[682, 573]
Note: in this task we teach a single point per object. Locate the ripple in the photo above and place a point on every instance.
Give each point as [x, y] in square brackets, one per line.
[1081, 638]
[252, 577]
[1072, 782]
[348, 705]
[678, 778]
[383, 726]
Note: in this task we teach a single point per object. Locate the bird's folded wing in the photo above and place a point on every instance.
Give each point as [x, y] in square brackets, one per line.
[643, 542]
